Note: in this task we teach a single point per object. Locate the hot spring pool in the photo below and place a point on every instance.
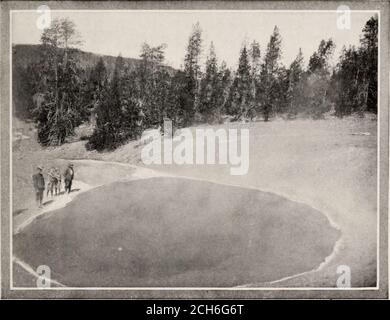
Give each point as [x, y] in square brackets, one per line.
[164, 232]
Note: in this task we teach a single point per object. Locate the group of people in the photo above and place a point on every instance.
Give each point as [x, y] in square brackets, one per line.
[54, 184]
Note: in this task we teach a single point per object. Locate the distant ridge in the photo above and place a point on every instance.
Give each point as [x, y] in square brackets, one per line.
[25, 54]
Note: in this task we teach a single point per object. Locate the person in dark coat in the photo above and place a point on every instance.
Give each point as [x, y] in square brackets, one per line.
[68, 177]
[39, 186]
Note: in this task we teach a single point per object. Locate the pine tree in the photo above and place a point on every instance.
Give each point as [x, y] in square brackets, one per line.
[192, 73]
[269, 75]
[60, 84]
[132, 107]
[317, 88]
[209, 88]
[294, 92]
[178, 98]
[354, 82]
[240, 92]
[369, 54]
[225, 77]
[347, 99]
[154, 84]
[255, 63]
[95, 88]
[107, 133]
[319, 59]
[281, 90]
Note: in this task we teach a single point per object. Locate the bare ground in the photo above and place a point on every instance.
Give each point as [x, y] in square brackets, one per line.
[329, 165]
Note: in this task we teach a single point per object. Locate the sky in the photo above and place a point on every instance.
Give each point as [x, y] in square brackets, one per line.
[123, 32]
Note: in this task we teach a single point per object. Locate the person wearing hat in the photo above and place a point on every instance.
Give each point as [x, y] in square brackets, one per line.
[68, 177]
[39, 186]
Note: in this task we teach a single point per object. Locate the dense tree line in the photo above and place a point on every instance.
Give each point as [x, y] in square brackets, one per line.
[355, 78]
[131, 100]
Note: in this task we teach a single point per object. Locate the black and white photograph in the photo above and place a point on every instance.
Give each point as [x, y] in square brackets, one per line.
[186, 151]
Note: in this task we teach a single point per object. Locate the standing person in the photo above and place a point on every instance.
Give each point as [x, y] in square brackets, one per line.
[58, 175]
[53, 181]
[39, 186]
[68, 177]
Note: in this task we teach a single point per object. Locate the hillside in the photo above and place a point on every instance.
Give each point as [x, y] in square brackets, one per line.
[25, 54]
